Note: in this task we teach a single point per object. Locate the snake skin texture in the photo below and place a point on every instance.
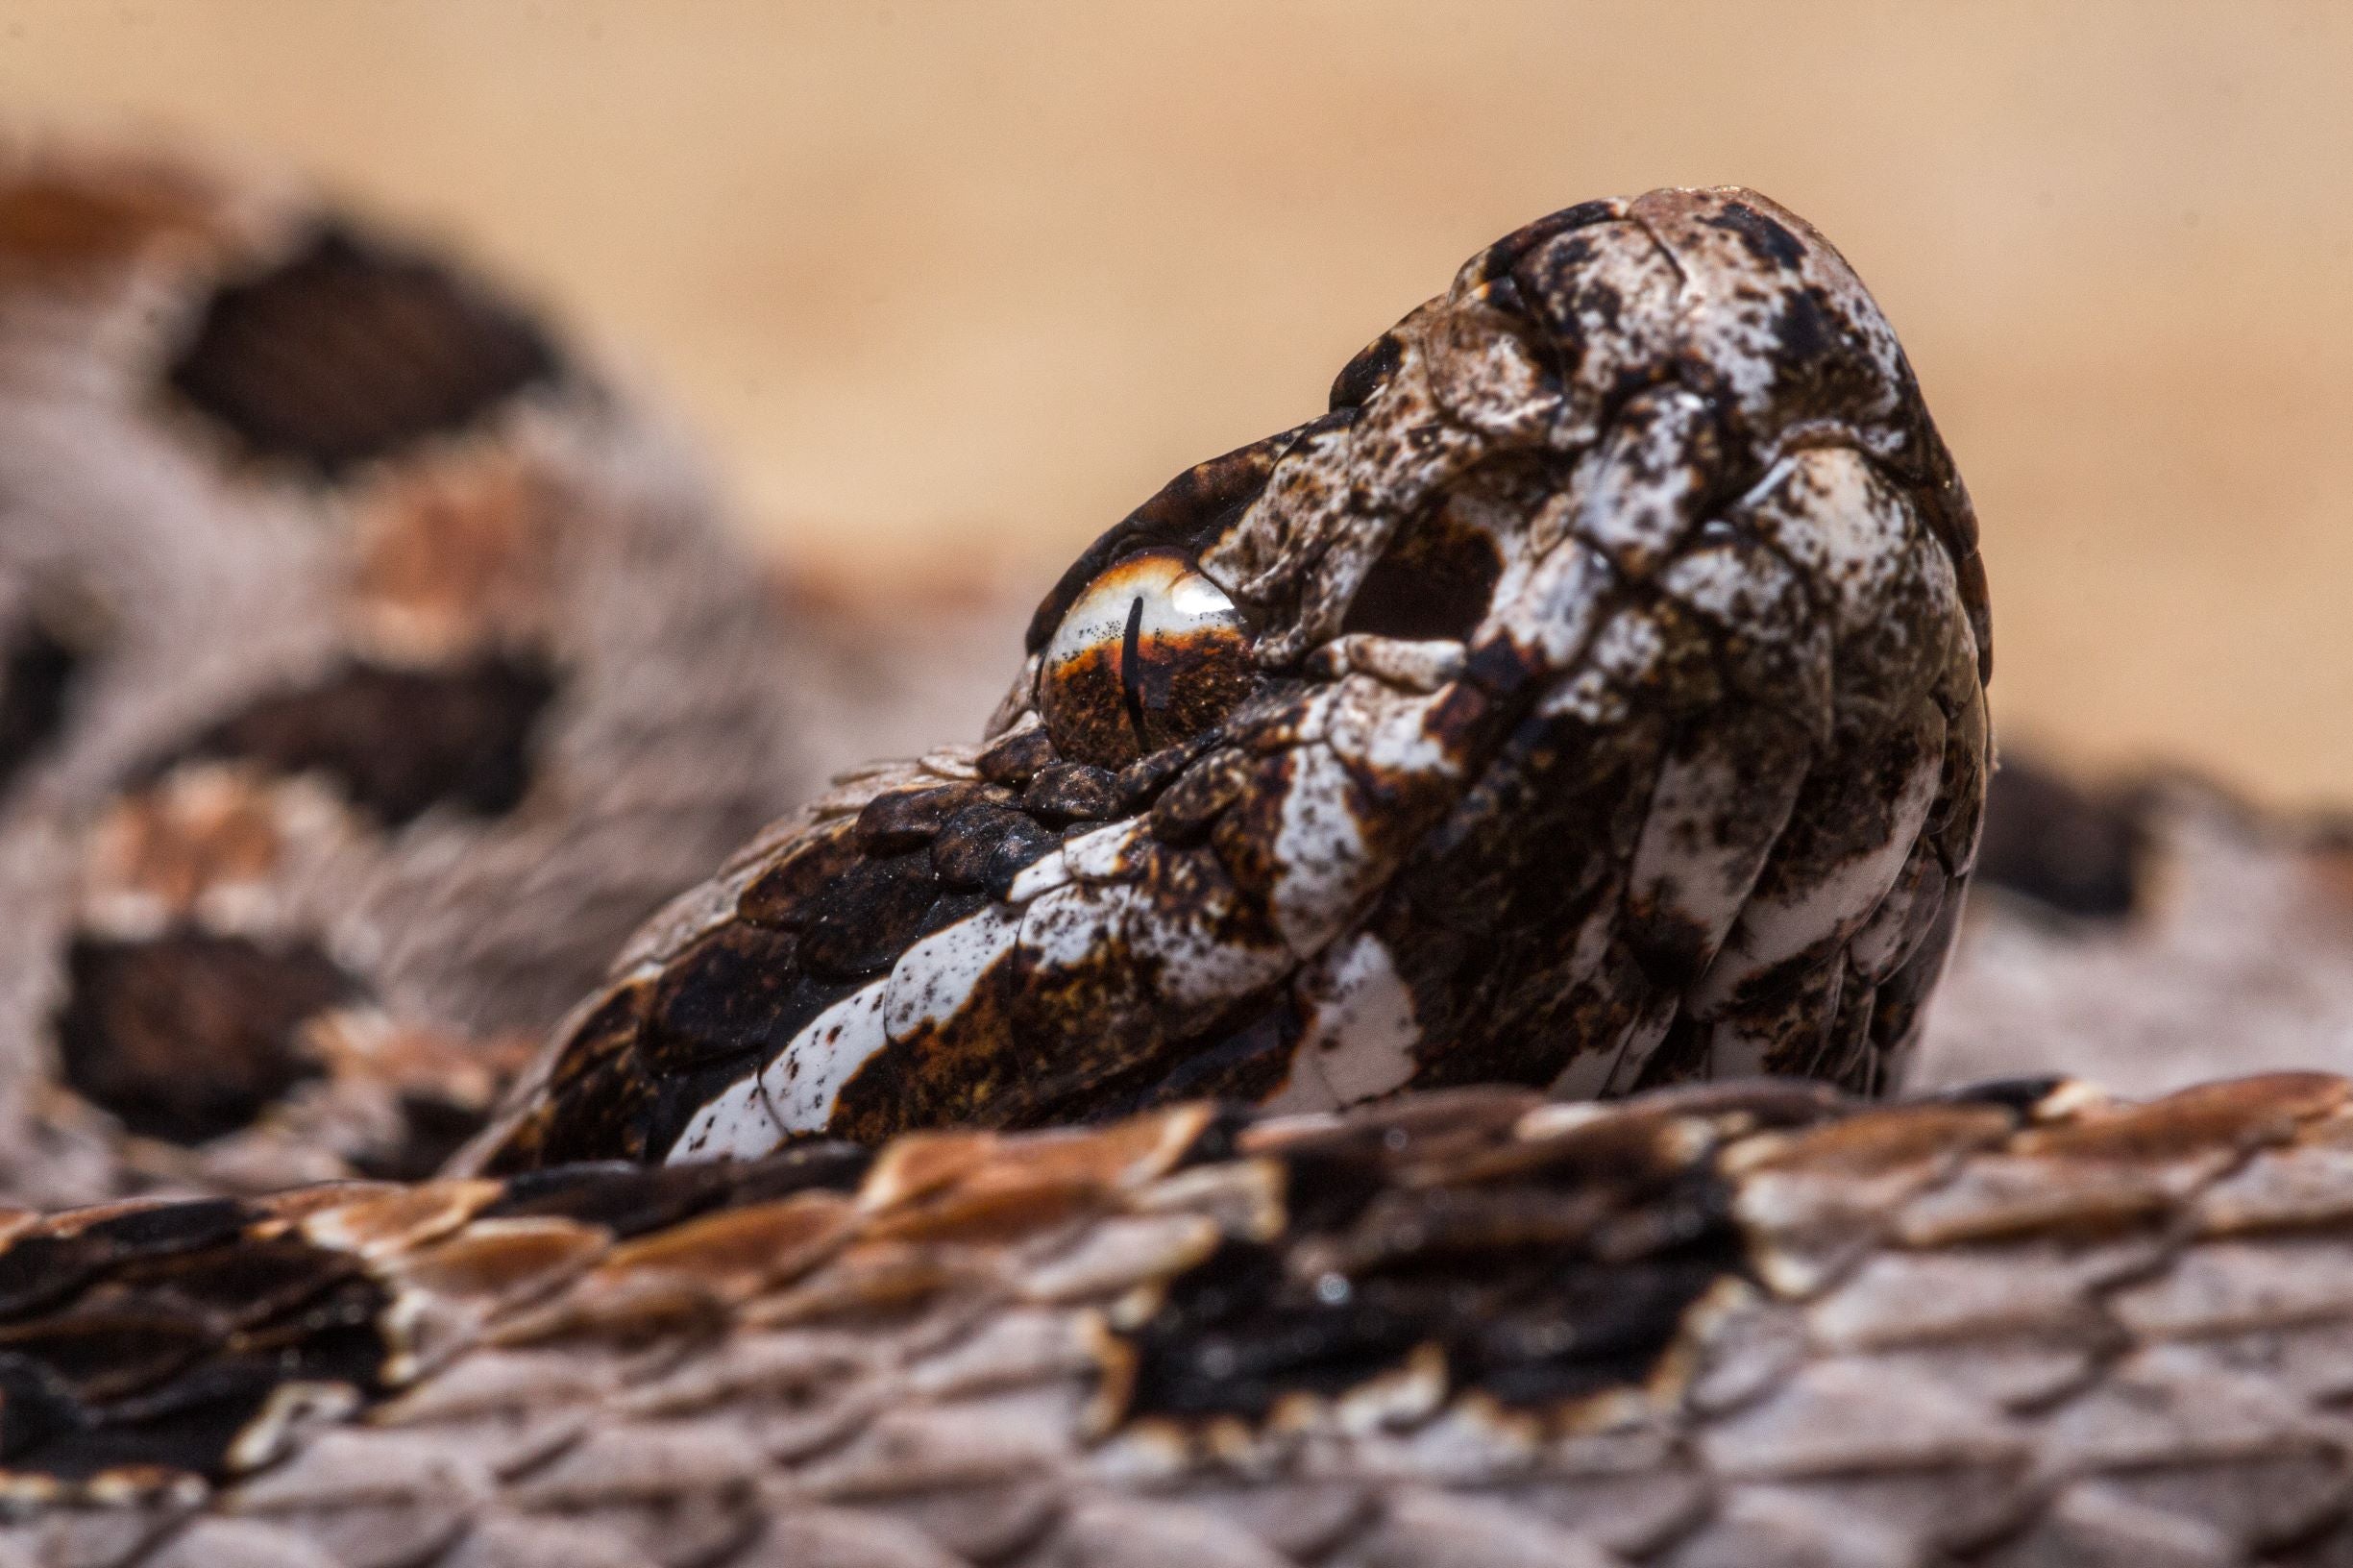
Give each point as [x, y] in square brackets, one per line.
[1591, 703]
[367, 672]
[2145, 934]
[1591, 700]
[1727, 1324]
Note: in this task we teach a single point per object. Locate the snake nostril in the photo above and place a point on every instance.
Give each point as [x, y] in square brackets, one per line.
[1435, 582]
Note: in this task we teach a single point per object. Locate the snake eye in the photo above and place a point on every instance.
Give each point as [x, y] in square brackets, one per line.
[1151, 653]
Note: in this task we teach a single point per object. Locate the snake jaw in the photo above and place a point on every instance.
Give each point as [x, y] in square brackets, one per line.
[1600, 705]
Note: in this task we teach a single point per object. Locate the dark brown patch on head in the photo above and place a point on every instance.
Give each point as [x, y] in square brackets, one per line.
[349, 351]
[37, 677]
[1368, 372]
[863, 919]
[2067, 848]
[1434, 581]
[399, 742]
[1764, 238]
[188, 1036]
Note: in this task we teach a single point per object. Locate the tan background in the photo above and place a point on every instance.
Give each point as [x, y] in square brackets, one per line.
[949, 288]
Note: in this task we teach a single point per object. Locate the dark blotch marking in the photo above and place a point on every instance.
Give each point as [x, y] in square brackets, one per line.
[720, 997]
[1538, 1280]
[630, 1200]
[351, 351]
[189, 1036]
[1764, 238]
[1240, 1063]
[1434, 581]
[36, 678]
[1368, 372]
[2067, 848]
[780, 895]
[148, 1342]
[399, 741]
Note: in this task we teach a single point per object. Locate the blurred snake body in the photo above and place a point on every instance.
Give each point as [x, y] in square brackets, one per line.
[1159, 1131]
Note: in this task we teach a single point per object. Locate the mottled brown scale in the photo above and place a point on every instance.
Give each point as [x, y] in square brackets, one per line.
[863, 921]
[906, 819]
[1071, 792]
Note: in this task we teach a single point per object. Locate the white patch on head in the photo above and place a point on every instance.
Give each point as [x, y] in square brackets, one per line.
[1549, 611]
[938, 975]
[1101, 855]
[734, 1126]
[1361, 1029]
[1641, 493]
[803, 1081]
[1199, 967]
[1039, 876]
[1373, 726]
[1319, 851]
[1071, 924]
[1689, 861]
[1830, 510]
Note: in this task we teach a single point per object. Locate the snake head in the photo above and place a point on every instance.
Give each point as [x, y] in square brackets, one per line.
[1593, 697]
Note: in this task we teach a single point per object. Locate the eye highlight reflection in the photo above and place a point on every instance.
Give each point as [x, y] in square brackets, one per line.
[1152, 653]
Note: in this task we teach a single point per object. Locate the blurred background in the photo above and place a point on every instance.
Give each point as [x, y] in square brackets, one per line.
[944, 290]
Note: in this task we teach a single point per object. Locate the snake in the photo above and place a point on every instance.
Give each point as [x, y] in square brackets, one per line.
[1375, 1053]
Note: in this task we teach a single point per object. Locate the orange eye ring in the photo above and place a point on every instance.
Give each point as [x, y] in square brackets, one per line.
[1149, 655]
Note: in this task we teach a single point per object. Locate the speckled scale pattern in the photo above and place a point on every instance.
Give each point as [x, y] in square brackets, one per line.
[1743, 1322]
[1614, 717]
[368, 670]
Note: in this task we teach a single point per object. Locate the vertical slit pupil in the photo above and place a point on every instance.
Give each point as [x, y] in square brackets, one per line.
[1131, 676]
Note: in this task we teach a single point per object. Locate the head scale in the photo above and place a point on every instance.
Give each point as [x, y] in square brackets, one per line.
[1591, 699]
